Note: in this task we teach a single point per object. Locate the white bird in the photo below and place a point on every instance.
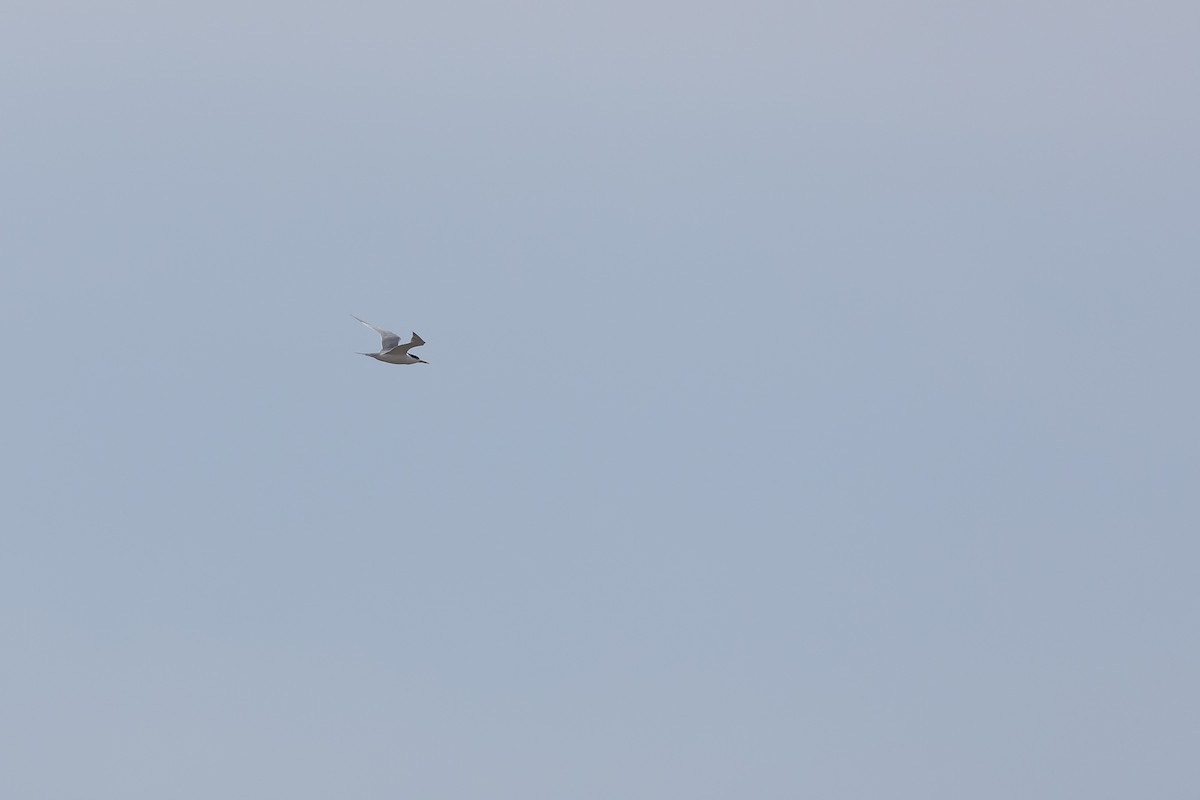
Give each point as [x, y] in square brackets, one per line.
[390, 350]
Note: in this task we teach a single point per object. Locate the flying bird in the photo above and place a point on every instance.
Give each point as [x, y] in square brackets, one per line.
[390, 349]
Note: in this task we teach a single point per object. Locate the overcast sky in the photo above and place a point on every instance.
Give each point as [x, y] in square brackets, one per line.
[811, 408]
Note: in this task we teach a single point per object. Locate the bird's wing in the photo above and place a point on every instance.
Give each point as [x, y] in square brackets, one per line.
[416, 341]
[390, 339]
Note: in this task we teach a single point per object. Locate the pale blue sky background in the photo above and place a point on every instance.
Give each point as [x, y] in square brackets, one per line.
[812, 406]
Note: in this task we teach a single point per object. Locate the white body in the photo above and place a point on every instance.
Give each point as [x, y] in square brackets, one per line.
[392, 357]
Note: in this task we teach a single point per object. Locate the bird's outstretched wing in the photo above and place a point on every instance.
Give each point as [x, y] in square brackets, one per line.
[390, 339]
[416, 341]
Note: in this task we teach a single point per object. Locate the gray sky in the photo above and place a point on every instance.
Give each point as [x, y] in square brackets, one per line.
[811, 408]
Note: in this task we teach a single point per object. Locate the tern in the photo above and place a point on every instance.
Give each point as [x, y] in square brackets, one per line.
[390, 350]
